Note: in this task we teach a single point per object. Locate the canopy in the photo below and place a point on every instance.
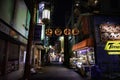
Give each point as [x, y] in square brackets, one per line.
[85, 43]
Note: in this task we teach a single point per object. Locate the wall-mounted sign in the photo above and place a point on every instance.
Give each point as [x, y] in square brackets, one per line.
[109, 32]
[112, 53]
[11, 32]
[113, 47]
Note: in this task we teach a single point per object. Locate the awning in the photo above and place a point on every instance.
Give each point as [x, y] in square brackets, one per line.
[85, 43]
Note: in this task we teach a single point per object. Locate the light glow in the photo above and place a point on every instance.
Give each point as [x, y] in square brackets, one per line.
[113, 46]
[46, 14]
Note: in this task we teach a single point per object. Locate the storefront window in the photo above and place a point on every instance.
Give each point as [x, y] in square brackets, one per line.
[86, 56]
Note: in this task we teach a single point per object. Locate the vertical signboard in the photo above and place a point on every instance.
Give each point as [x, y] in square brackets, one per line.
[37, 33]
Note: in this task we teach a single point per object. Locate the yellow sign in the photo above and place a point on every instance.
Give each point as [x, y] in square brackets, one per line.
[114, 53]
[113, 46]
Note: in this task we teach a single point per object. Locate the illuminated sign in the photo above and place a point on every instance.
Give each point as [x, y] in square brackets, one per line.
[75, 31]
[67, 31]
[59, 32]
[113, 47]
[49, 32]
[118, 52]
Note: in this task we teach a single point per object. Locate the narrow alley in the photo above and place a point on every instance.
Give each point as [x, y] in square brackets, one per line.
[56, 72]
[59, 39]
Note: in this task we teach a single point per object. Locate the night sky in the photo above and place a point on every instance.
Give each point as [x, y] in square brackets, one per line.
[62, 9]
[61, 15]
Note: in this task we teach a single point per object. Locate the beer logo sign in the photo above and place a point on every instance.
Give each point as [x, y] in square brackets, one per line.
[113, 47]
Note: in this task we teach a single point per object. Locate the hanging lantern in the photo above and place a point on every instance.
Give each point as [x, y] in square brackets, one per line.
[46, 16]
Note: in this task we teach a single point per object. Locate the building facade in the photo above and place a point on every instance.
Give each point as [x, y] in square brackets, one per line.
[14, 26]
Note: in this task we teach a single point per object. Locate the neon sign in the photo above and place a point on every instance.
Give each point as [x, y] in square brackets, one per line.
[113, 47]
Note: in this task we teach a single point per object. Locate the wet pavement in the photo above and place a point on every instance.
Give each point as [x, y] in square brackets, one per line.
[56, 72]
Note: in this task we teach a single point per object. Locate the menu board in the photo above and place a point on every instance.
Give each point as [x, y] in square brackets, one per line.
[109, 32]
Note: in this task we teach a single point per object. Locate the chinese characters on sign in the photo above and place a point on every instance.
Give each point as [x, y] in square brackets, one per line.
[58, 31]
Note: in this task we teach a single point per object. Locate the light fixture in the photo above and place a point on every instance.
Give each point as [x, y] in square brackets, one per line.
[95, 2]
[46, 14]
[61, 38]
[50, 46]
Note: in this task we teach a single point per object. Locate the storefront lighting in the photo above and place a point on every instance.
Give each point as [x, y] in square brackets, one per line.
[79, 64]
[50, 46]
[84, 51]
[74, 52]
[61, 38]
[95, 2]
[43, 32]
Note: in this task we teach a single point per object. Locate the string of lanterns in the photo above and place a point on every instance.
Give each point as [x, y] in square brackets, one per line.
[58, 31]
